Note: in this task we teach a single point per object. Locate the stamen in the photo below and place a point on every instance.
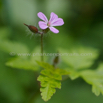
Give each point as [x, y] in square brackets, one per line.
[48, 24]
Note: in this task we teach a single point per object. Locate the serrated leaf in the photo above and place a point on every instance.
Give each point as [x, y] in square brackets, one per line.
[94, 78]
[47, 92]
[21, 63]
[51, 72]
[50, 80]
[48, 86]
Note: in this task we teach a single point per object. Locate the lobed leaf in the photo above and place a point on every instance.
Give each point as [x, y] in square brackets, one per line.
[94, 78]
[50, 79]
[79, 57]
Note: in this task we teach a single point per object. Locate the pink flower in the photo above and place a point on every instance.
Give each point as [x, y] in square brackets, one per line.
[54, 21]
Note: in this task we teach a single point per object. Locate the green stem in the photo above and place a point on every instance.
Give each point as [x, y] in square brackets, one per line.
[42, 47]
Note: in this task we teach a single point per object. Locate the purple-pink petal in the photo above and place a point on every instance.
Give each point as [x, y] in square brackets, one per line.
[53, 16]
[42, 16]
[57, 22]
[42, 25]
[54, 30]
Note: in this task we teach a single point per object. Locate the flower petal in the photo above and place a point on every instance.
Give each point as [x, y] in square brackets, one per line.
[53, 16]
[42, 16]
[42, 25]
[54, 30]
[57, 22]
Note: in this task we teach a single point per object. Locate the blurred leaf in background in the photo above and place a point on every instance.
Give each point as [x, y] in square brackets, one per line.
[83, 26]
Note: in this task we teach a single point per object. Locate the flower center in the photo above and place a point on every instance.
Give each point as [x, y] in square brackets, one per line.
[48, 24]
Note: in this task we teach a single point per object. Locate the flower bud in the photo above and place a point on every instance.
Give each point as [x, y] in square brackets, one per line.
[56, 60]
[32, 28]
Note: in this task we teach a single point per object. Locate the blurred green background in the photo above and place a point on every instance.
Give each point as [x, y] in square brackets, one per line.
[83, 26]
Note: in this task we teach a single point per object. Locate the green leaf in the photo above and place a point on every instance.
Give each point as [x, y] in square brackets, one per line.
[22, 63]
[25, 60]
[50, 79]
[13, 47]
[79, 57]
[73, 73]
[94, 78]
[48, 86]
